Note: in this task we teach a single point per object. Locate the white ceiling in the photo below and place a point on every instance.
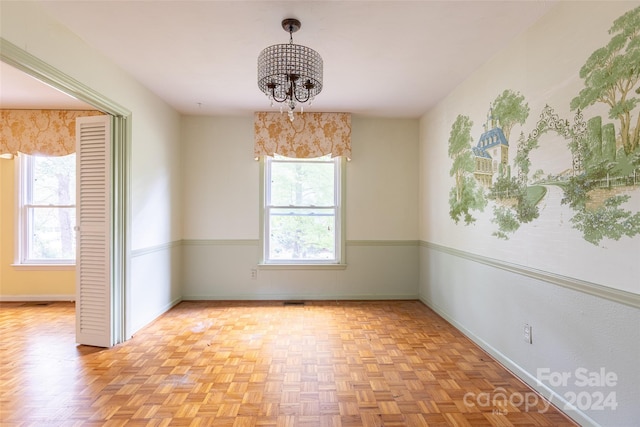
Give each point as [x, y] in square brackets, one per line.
[21, 91]
[381, 58]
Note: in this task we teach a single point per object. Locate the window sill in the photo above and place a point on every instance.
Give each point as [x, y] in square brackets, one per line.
[44, 267]
[276, 266]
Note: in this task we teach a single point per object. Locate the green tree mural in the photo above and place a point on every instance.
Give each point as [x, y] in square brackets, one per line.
[506, 220]
[605, 157]
[465, 196]
[509, 107]
[611, 75]
[607, 221]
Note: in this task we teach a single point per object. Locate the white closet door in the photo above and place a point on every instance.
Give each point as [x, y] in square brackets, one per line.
[93, 260]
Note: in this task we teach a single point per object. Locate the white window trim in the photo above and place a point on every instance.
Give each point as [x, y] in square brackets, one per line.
[20, 238]
[340, 227]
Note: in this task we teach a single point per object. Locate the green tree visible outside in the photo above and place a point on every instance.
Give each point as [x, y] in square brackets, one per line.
[52, 228]
[302, 233]
[465, 196]
[611, 75]
[509, 107]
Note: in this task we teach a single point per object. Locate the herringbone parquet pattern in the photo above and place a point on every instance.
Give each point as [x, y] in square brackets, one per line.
[236, 364]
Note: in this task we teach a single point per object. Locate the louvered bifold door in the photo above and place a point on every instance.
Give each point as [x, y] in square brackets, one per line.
[93, 263]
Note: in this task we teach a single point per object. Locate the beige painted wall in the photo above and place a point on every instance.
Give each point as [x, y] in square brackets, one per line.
[220, 179]
[155, 179]
[18, 284]
[221, 215]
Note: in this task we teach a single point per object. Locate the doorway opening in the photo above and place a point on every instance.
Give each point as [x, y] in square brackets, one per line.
[119, 161]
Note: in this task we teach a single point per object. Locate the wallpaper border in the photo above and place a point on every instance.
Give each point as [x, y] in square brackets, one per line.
[619, 296]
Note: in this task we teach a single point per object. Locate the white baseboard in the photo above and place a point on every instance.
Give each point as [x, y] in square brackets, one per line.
[40, 297]
[556, 399]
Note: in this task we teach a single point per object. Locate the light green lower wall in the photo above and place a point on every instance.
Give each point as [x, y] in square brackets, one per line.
[155, 284]
[221, 270]
[573, 329]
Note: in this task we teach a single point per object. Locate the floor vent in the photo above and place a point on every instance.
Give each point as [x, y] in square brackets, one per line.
[293, 303]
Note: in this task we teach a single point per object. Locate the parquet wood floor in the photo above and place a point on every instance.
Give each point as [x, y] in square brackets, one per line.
[237, 364]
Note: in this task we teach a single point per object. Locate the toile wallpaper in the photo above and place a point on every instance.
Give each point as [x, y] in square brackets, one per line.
[550, 179]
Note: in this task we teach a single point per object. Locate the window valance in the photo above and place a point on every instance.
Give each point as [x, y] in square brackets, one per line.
[47, 132]
[309, 135]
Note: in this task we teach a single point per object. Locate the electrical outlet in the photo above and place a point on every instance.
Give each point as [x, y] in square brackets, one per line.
[254, 273]
[527, 334]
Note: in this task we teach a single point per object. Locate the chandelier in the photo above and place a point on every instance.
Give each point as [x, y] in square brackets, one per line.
[290, 73]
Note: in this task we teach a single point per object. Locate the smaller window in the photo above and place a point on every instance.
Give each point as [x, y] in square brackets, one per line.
[302, 211]
[46, 209]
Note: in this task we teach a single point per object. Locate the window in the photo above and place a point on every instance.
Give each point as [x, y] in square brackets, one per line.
[302, 215]
[46, 209]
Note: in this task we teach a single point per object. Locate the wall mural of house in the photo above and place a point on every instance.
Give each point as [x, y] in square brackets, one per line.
[602, 169]
[491, 153]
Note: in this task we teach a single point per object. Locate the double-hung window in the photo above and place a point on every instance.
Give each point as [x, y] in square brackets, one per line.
[46, 209]
[302, 211]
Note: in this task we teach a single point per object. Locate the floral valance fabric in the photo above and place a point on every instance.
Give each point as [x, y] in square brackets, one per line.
[46, 132]
[308, 135]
